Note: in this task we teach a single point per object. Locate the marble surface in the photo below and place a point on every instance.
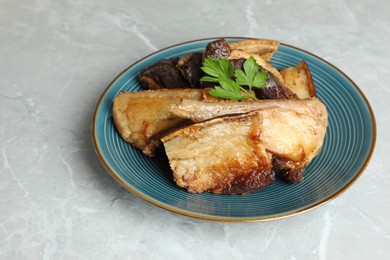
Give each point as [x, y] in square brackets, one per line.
[57, 201]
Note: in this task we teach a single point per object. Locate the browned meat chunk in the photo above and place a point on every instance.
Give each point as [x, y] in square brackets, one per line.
[217, 49]
[274, 90]
[189, 66]
[293, 175]
[237, 63]
[250, 182]
[162, 74]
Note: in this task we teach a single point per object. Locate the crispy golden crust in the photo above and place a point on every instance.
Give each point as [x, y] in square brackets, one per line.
[262, 47]
[298, 79]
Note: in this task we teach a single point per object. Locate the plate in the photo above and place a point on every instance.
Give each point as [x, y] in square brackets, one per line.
[347, 149]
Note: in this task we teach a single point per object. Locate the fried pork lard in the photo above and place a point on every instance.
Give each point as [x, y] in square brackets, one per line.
[224, 155]
[141, 117]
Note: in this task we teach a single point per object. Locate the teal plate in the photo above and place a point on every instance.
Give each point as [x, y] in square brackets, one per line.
[347, 148]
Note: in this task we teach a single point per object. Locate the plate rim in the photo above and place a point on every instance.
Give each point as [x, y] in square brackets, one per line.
[187, 213]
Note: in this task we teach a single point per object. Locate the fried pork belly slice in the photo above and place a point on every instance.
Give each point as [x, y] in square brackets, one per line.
[141, 117]
[223, 155]
[263, 47]
[298, 79]
[292, 130]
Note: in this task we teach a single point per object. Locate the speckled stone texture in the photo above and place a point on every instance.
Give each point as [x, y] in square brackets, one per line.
[56, 59]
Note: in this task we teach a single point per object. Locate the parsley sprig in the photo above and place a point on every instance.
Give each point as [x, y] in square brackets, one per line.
[232, 82]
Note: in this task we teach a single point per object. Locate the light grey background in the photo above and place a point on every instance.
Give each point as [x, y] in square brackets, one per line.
[56, 59]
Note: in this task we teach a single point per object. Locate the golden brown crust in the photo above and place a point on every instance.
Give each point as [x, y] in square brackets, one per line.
[299, 80]
[310, 82]
[262, 47]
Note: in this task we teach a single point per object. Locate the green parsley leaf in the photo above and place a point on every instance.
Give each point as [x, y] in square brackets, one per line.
[229, 89]
[222, 71]
[260, 80]
[241, 77]
[217, 69]
[210, 79]
[251, 76]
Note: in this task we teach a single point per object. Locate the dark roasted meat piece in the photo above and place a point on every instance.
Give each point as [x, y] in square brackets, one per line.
[217, 49]
[250, 182]
[294, 175]
[274, 90]
[189, 66]
[289, 170]
[237, 63]
[162, 74]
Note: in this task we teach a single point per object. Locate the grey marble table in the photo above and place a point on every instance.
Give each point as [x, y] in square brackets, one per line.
[57, 201]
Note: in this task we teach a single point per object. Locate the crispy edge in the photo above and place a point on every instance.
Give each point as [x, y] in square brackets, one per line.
[263, 47]
[293, 75]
